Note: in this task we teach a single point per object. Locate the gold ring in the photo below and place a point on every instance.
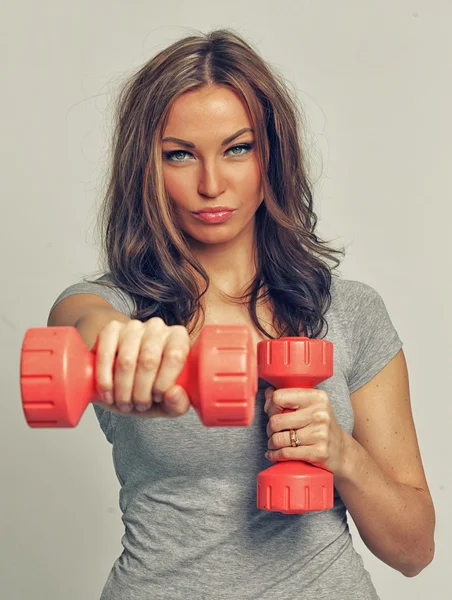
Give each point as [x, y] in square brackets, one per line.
[294, 441]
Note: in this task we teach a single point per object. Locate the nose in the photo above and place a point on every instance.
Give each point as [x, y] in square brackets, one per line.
[211, 180]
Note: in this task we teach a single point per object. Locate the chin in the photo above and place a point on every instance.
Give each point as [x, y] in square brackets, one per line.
[214, 236]
[212, 239]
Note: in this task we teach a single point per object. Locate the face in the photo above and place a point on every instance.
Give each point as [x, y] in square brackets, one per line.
[203, 169]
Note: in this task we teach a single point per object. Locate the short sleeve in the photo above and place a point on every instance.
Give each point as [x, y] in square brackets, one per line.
[374, 339]
[121, 302]
[107, 421]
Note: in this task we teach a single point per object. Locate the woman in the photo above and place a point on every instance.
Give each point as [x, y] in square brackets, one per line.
[207, 126]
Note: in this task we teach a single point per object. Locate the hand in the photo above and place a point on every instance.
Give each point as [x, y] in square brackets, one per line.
[149, 357]
[322, 439]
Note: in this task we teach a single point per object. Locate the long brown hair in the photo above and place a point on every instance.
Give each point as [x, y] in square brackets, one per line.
[143, 249]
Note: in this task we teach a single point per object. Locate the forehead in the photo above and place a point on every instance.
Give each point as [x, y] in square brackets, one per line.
[215, 109]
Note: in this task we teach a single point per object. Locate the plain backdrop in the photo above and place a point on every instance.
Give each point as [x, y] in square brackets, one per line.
[374, 80]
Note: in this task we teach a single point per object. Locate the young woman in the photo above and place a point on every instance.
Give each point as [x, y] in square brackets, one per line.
[208, 219]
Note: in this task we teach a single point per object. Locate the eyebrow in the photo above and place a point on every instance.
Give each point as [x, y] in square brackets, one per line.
[223, 143]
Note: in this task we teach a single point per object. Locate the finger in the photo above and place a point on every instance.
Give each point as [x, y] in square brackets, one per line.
[268, 396]
[288, 454]
[294, 398]
[286, 399]
[176, 402]
[148, 362]
[296, 419]
[314, 454]
[175, 354]
[126, 360]
[105, 351]
[306, 436]
[272, 409]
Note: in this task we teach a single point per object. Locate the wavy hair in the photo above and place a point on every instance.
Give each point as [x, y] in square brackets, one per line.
[144, 251]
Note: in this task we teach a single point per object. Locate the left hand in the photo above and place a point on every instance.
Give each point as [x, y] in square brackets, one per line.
[323, 441]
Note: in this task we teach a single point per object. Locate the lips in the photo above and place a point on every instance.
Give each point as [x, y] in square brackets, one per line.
[214, 209]
[213, 217]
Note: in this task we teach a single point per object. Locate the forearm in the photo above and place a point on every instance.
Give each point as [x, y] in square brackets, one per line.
[395, 521]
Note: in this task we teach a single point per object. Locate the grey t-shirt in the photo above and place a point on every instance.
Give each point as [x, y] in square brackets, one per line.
[188, 492]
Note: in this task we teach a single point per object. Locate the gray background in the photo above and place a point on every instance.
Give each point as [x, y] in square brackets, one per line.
[374, 79]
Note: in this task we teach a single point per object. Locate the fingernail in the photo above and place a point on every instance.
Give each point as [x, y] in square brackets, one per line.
[157, 398]
[125, 408]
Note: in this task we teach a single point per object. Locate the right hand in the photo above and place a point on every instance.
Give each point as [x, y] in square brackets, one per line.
[149, 357]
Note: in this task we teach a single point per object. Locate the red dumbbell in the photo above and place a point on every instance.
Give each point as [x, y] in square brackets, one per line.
[57, 376]
[294, 487]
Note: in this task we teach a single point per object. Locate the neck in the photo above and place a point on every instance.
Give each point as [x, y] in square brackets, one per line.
[231, 267]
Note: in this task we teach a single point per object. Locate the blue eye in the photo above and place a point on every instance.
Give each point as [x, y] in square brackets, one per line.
[246, 147]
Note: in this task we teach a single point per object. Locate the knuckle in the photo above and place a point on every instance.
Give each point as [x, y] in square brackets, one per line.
[322, 396]
[321, 451]
[125, 362]
[274, 422]
[176, 355]
[322, 436]
[104, 386]
[149, 359]
[321, 416]
[276, 439]
[156, 321]
[113, 325]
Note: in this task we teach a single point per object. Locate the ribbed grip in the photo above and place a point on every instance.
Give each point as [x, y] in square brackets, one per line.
[56, 376]
[224, 388]
[295, 361]
[295, 487]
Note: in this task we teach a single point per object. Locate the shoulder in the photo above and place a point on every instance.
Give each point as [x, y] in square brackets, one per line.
[351, 289]
[103, 286]
[367, 328]
[354, 297]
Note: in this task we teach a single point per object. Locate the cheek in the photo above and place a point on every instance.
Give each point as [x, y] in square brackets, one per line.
[249, 178]
[177, 184]
[255, 181]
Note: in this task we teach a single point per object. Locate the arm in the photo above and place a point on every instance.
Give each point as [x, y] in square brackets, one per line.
[382, 482]
[88, 313]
